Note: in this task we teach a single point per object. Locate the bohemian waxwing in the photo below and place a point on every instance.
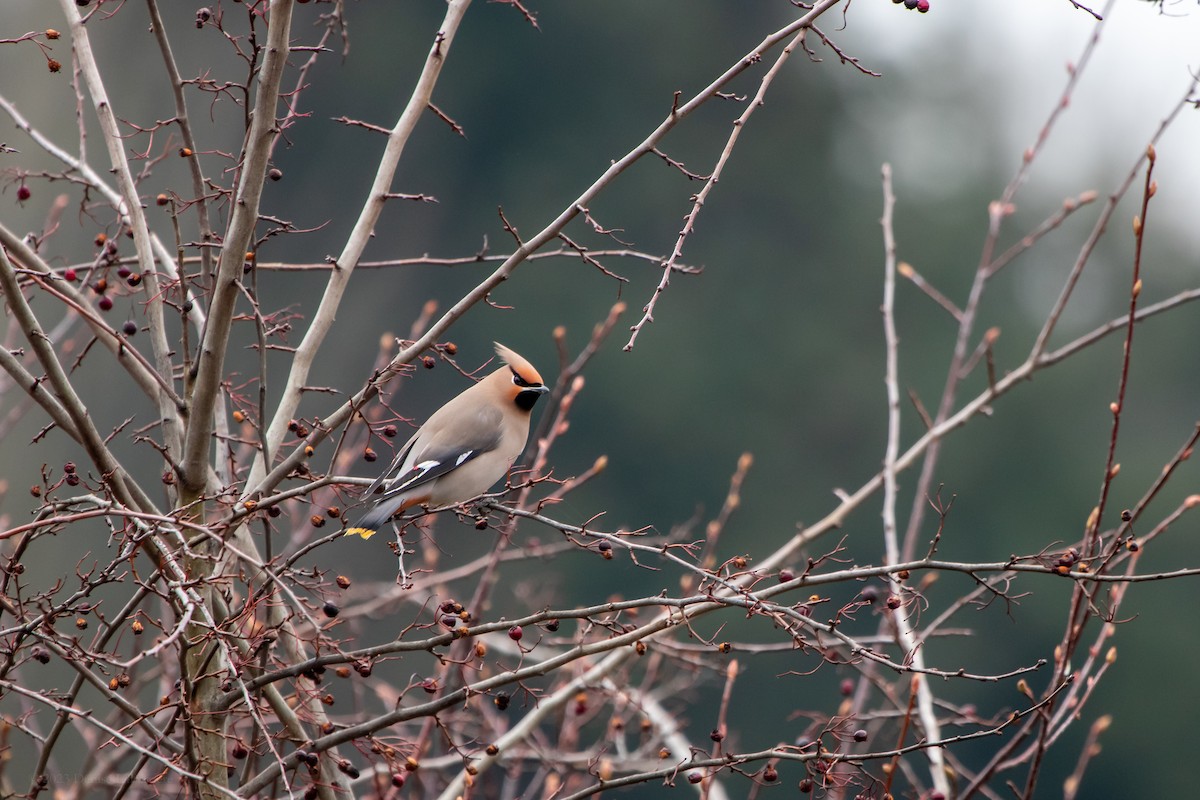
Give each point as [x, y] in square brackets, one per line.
[465, 447]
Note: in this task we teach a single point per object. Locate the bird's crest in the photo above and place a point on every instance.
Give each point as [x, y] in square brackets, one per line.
[517, 363]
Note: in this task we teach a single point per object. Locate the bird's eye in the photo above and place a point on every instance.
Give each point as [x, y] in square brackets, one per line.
[519, 381]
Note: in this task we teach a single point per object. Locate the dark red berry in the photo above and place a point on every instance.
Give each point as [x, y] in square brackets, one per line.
[515, 633]
[23, 193]
[124, 272]
[274, 173]
[105, 303]
[786, 575]
[69, 467]
[847, 687]
[860, 735]
[130, 327]
[369, 454]
[70, 274]
[389, 431]
[923, 6]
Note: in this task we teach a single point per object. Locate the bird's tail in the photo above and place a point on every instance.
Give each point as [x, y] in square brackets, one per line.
[373, 520]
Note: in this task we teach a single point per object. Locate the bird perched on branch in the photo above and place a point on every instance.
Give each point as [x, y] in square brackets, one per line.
[465, 447]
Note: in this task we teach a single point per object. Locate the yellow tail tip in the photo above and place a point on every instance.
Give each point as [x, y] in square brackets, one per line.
[365, 533]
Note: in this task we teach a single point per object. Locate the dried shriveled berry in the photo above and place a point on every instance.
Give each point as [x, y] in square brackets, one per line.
[69, 467]
[786, 575]
[35, 490]
[53, 64]
[429, 362]
[369, 454]
[72, 479]
[389, 431]
[894, 601]
[51, 33]
[162, 200]
[317, 520]
[343, 582]
[137, 627]
[770, 774]
[333, 512]
[40, 655]
[500, 699]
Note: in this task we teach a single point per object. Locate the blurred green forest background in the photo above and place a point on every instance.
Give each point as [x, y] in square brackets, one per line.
[776, 348]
